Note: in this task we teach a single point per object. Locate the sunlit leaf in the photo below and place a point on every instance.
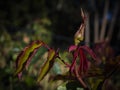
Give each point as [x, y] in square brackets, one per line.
[47, 65]
[26, 55]
[61, 88]
[79, 35]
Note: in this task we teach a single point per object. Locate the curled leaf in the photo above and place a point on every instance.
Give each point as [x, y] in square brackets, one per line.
[25, 56]
[47, 65]
[72, 48]
[91, 53]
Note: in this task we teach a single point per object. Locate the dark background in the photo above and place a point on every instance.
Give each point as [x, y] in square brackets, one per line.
[63, 14]
[53, 21]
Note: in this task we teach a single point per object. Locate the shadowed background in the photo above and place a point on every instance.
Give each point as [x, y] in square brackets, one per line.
[55, 22]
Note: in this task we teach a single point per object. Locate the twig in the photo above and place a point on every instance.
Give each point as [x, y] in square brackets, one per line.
[80, 78]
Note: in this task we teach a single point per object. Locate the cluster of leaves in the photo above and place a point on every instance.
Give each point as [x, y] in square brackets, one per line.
[87, 66]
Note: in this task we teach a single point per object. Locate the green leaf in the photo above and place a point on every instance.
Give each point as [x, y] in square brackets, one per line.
[62, 88]
[47, 65]
[26, 55]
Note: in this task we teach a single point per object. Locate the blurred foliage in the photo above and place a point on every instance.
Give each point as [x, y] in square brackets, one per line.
[23, 21]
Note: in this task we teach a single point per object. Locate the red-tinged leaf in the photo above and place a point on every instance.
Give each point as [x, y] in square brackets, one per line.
[92, 54]
[48, 64]
[75, 55]
[72, 48]
[81, 66]
[26, 55]
[85, 62]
